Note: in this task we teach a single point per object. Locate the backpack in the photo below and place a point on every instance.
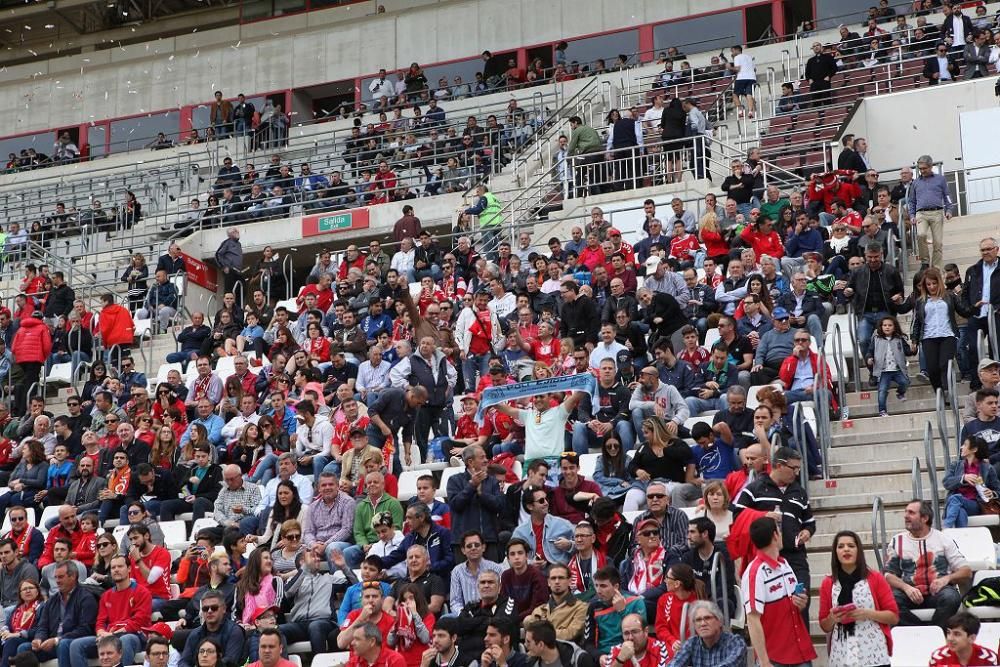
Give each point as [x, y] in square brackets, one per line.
[984, 594]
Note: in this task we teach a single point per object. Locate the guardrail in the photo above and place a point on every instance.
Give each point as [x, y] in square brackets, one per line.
[915, 480]
[932, 472]
[717, 568]
[956, 411]
[880, 537]
[942, 424]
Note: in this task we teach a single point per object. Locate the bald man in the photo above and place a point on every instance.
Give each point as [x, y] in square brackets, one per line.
[754, 460]
[237, 499]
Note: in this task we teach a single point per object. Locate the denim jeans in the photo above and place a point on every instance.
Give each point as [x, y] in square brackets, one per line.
[584, 438]
[886, 379]
[61, 653]
[957, 511]
[264, 472]
[83, 647]
[697, 406]
[474, 367]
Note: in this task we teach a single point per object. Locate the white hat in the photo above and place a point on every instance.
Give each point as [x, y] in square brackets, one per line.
[652, 263]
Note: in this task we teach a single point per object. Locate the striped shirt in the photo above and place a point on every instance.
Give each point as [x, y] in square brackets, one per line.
[373, 379]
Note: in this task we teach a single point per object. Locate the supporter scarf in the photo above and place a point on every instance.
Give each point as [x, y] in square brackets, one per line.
[647, 574]
[201, 388]
[118, 481]
[846, 596]
[23, 617]
[23, 541]
[406, 631]
[585, 382]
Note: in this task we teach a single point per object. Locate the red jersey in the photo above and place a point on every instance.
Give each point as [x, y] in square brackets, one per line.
[547, 353]
[425, 299]
[695, 358]
[157, 558]
[768, 587]
[386, 658]
[466, 427]
[684, 247]
[384, 624]
[501, 425]
[656, 655]
[851, 219]
[453, 287]
[590, 258]
[324, 298]
[945, 657]
[341, 441]
[125, 611]
[627, 250]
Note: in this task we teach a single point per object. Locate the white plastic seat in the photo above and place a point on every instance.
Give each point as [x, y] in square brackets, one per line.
[752, 401]
[711, 337]
[225, 367]
[691, 512]
[913, 645]
[588, 465]
[330, 659]
[632, 516]
[50, 512]
[289, 305]
[197, 526]
[161, 374]
[294, 658]
[142, 327]
[989, 634]
[60, 373]
[299, 647]
[984, 520]
[174, 534]
[447, 474]
[976, 544]
[119, 533]
[408, 484]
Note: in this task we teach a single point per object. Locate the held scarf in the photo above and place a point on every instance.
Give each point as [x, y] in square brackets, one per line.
[495, 395]
[24, 541]
[646, 576]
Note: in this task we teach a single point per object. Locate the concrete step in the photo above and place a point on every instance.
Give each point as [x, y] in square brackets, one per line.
[892, 423]
[871, 433]
[898, 492]
[917, 391]
[830, 523]
[863, 468]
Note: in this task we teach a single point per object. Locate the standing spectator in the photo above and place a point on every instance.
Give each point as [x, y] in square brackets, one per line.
[924, 568]
[242, 115]
[32, 347]
[976, 56]
[981, 290]
[860, 636]
[476, 503]
[875, 290]
[743, 67]
[929, 205]
[935, 327]
[407, 226]
[229, 258]
[136, 275]
[771, 601]
[820, 69]
[220, 115]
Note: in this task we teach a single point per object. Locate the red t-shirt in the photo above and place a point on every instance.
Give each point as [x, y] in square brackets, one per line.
[537, 529]
[547, 353]
[384, 624]
[945, 657]
[684, 248]
[695, 359]
[158, 557]
[657, 653]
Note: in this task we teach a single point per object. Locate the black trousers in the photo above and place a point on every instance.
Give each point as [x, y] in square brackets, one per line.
[938, 351]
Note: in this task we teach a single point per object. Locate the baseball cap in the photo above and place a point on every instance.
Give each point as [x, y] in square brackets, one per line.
[161, 629]
[263, 610]
[812, 255]
[356, 430]
[614, 232]
[986, 363]
[470, 397]
[652, 263]
[780, 313]
[647, 522]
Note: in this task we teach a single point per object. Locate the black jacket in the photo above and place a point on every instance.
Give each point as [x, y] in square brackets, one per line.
[763, 495]
[474, 618]
[613, 304]
[666, 307]
[170, 264]
[580, 320]
[932, 67]
[138, 452]
[889, 282]
[192, 337]
[972, 288]
[570, 655]
[955, 305]
[820, 67]
[812, 304]
[59, 301]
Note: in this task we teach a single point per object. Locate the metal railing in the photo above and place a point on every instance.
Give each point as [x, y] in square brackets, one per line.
[932, 472]
[916, 481]
[880, 536]
[956, 411]
[942, 424]
[718, 568]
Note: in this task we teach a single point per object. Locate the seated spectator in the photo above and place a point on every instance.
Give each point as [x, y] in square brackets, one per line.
[711, 643]
[150, 565]
[69, 614]
[606, 611]
[555, 532]
[969, 480]
[941, 568]
[218, 626]
[563, 610]
[199, 491]
[370, 613]
[962, 647]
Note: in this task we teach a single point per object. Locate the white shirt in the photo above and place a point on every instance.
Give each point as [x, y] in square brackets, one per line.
[380, 88]
[234, 426]
[747, 70]
[403, 261]
[544, 438]
[602, 352]
[503, 306]
[943, 67]
[988, 270]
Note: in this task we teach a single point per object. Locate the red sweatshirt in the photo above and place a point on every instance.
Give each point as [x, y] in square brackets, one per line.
[125, 611]
[84, 545]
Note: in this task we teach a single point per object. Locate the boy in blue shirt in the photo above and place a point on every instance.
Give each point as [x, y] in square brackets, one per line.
[714, 457]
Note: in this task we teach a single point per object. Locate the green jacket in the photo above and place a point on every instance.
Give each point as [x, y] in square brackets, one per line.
[772, 210]
[584, 140]
[364, 512]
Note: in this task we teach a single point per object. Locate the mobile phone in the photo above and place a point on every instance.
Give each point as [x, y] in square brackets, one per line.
[845, 609]
[800, 588]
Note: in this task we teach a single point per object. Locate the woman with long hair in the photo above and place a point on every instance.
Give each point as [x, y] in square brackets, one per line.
[757, 287]
[232, 394]
[662, 458]
[100, 574]
[164, 449]
[243, 450]
[683, 588]
[199, 434]
[963, 480]
[710, 234]
[284, 344]
[612, 475]
[858, 637]
[136, 513]
[715, 506]
[288, 506]
[29, 477]
[411, 633]
[163, 400]
[136, 274]
[98, 374]
[316, 345]
[15, 630]
[276, 442]
[934, 326]
[256, 588]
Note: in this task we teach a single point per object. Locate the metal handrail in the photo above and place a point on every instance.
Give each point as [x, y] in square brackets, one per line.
[852, 330]
[823, 426]
[932, 472]
[915, 480]
[797, 434]
[880, 536]
[717, 567]
[956, 411]
[939, 405]
[991, 323]
[838, 361]
[288, 271]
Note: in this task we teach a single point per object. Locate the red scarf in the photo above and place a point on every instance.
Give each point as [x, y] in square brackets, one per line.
[406, 631]
[604, 534]
[646, 575]
[24, 541]
[24, 616]
[201, 388]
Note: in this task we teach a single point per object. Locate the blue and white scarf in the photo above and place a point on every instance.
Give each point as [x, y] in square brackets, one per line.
[494, 395]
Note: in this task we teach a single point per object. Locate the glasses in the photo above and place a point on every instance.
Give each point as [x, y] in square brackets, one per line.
[293, 536]
[205, 650]
[655, 496]
[101, 545]
[474, 545]
[990, 249]
[650, 533]
[18, 518]
[110, 421]
[209, 607]
[801, 340]
[540, 501]
[134, 512]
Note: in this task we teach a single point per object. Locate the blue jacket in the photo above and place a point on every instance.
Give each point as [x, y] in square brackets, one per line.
[808, 241]
[230, 636]
[471, 510]
[213, 425]
[352, 600]
[165, 295]
[555, 527]
[79, 619]
[953, 478]
[438, 544]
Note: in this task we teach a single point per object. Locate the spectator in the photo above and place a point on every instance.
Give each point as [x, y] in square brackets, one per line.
[606, 613]
[69, 614]
[928, 580]
[961, 647]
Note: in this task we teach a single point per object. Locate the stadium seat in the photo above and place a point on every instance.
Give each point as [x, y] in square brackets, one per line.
[408, 484]
[632, 516]
[711, 336]
[989, 634]
[174, 534]
[50, 512]
[197, 526]
[588, 464]
[330, 659]
[976, 544]
[447, 474]
[142, 327]
[30, 511]
[299, 647]
[118, 534]
[912, 645]
[61, 373]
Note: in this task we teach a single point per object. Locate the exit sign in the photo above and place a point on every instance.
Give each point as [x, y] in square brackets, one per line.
[330, 223]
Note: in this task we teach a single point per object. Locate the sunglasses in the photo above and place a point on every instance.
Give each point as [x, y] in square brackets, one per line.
[655, 496]
[293, 536]
[650, 533]
[210, 607]
[101, 545]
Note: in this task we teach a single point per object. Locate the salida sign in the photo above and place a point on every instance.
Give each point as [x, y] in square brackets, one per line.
[331, 223]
